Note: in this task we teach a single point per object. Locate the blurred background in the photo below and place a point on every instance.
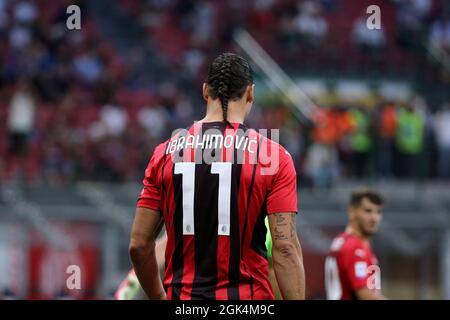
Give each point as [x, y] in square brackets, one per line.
[82, 110]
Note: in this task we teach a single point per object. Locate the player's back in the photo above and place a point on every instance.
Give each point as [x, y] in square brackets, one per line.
[348, 267]
[215, 184]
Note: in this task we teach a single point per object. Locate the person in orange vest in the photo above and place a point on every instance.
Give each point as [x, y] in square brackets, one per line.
[344, 124]
[386, 128]
[321, 161]
[325, 130]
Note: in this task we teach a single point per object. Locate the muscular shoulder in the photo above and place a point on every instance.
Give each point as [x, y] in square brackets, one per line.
[160, 150]
[269, 143]
[344, 244]
[272, 154]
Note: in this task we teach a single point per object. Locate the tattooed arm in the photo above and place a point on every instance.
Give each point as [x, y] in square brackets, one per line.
[287, 256]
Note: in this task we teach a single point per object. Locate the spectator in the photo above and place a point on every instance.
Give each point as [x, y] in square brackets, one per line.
[114, 119]
[325, 130]
[409, 141]
[439, 37]
[154, 120]
[88, 67]
[19, 37]
[321, 162]
[193, 60]
[361, 143]
[442, 132]
[365, 39]
[25, 12]
[321, 165]
[287, 35]
[203, 23]
[309, 23]
[21, 119]
[386, 134]
[4, 19]
[411, 18]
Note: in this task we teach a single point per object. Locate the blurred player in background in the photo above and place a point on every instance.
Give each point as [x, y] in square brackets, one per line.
[351, 267]
[130, 288]
[214, 213]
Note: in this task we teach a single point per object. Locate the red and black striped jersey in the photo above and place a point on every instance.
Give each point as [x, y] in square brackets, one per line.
[350, 265]
[214, 185]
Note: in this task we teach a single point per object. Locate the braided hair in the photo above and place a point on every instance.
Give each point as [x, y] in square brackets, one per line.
[229, 75]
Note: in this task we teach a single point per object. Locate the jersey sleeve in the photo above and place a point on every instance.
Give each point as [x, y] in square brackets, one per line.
[150, 196]
[356, 265]
[282, 195]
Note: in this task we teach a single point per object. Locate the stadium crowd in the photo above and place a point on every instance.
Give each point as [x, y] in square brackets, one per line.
[300, 34]
[69, 108]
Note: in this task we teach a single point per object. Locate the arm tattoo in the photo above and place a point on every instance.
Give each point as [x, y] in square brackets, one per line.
[286, 252]
[293, 228]
[279, 235]
[280, 230]
[279, 219]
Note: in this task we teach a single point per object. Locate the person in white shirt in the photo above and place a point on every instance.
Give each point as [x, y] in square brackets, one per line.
[442, 133]
[21, 118]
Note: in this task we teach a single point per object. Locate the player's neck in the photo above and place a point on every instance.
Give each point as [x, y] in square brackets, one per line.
[356, 232]
[214, 113]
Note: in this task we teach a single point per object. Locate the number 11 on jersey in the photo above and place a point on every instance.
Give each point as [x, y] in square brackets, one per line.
[223, 169]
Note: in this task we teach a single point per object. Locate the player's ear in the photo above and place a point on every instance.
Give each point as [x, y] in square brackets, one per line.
[351, 213]
[205, 91]
[250, 93]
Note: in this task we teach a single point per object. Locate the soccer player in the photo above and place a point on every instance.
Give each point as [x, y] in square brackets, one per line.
[214, 211]
[351, 267]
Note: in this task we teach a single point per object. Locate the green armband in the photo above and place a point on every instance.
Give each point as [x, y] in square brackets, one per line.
[268, 240]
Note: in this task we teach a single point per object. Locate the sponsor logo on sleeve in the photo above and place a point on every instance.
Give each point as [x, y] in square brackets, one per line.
[360, 253]
[361, 269]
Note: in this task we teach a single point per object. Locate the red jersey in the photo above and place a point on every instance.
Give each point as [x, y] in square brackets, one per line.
[349, 266]
[215, 184]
